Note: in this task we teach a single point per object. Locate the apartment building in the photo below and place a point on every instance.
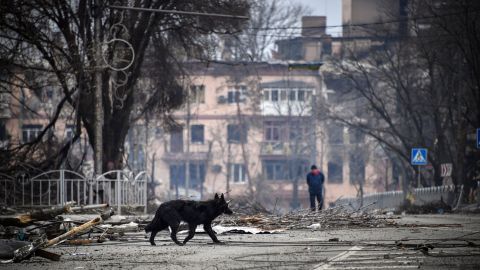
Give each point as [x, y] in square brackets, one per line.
[252, 129]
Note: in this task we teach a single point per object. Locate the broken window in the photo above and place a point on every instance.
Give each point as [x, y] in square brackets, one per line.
[197, 133]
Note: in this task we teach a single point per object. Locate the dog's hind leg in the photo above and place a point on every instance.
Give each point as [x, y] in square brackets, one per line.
[208, 228]
[159, 225]
[191, 232]
[173, 234]
[152, 237]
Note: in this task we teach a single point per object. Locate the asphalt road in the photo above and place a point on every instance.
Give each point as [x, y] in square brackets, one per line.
[455, 241]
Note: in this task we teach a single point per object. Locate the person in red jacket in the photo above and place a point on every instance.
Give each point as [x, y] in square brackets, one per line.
[315, 179]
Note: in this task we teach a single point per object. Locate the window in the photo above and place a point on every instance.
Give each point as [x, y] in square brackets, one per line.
[237, 133]
[301, 95]
[176, 140]
[197, 175]
[237, 173]
[178, 175]
[357, 168]
[335, 170]
[30, 132]
[292, 95]
[237, 94]
[283, 95]
[197, 133]
[285, 169]
[69, 132]
[356, 136]
[266, 95]
[198, 93]
[275, 169]
[299, 132]
[274, 95]
[335, 134]
[272, 131]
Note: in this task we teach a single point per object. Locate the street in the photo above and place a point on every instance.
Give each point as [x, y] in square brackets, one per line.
[455, 240]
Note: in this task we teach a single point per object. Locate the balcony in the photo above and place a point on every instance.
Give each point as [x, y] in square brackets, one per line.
[198, 152]
[274, 148]
[279, 148]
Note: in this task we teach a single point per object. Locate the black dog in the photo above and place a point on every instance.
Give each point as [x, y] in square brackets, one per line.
[192, 212]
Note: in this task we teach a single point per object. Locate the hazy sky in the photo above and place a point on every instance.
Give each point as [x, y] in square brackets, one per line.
[330, 8]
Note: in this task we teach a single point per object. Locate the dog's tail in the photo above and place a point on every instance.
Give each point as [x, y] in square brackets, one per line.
[152, 224]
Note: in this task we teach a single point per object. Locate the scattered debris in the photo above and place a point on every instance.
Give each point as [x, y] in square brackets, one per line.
[23, 220]
[337, 217]
[437, 207]
[37, 246]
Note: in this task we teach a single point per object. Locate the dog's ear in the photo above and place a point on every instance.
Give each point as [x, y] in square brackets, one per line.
[223, 198]
[216, 196]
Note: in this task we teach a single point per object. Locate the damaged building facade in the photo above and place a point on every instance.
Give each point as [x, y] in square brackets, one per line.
[253, 130]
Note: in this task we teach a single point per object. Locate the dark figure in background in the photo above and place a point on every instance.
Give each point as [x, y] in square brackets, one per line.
[315, 180]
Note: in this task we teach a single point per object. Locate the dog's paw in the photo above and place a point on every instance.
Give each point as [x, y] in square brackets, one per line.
[153, 243]
[180, 244]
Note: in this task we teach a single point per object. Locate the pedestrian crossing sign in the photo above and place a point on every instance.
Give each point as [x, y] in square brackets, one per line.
[419, 156]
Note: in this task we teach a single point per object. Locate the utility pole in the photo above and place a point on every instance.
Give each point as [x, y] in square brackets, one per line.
[98, 155]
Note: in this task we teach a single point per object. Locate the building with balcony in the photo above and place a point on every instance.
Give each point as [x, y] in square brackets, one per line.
[251, 129]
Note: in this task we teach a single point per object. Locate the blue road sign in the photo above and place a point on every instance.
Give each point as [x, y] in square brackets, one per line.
[478, 138]
[419, 156]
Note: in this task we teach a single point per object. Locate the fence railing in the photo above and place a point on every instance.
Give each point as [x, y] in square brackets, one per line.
[117, 188]
[394, 199]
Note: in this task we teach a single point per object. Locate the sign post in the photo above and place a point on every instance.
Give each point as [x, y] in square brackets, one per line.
[446, 169]
[418, 157]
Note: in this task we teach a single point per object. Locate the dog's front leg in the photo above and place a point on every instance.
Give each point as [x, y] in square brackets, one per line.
[191, 232]
[208, 228]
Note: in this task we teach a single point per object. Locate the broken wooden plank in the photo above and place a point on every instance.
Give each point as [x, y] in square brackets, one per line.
[27, 251]
[24, 220]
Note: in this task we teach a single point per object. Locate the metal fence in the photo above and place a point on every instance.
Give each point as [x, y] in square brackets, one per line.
[117, 188]
[394, 199]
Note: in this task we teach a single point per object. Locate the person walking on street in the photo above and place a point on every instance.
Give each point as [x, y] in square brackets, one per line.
[315, 179]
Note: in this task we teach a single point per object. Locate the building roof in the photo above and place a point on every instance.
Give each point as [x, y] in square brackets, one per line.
[247, 68]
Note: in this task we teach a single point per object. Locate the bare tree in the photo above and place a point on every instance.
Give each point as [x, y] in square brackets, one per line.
[54, 39]
[419, 90]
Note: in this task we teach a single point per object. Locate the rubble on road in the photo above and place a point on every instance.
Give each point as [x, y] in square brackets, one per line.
[337, 217]
[25, 250]
[436, 207]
